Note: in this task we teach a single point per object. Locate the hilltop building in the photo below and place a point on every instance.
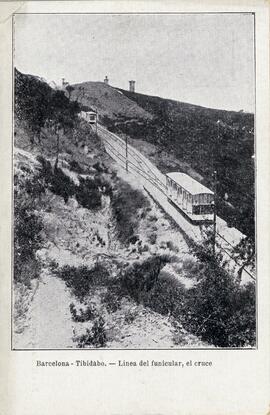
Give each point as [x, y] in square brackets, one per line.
[90, 116]
[64, 83]
[132, 86]
[106, 80]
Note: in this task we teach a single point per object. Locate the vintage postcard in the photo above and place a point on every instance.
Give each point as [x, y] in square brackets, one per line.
[136, 169]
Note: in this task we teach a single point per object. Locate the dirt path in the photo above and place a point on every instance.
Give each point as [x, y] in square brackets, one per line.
[50, 324]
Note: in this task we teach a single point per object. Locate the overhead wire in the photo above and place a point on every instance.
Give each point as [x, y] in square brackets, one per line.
[147, 177]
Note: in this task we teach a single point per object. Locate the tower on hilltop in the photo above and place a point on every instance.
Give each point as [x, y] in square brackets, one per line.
[132, 86]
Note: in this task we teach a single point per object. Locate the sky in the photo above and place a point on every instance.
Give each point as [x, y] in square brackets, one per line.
[204, 59]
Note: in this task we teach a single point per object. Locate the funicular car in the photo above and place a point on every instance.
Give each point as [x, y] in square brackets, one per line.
[193, 199]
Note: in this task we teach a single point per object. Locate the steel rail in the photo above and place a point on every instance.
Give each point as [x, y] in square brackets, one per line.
[133, 152]
[147, 177]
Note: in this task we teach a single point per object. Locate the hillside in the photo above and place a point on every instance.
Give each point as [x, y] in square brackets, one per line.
[109, 101]
[193, 139]
[205, 140]
[96, 262]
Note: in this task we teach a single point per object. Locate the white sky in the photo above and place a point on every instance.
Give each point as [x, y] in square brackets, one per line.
[201, 59]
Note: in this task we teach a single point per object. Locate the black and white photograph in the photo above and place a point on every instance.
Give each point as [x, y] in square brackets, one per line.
[134, 181]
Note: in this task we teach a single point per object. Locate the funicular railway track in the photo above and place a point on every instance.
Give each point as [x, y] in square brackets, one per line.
[138, 164]
[135, 160]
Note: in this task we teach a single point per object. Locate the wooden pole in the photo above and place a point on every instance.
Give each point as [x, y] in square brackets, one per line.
[215, 213]
[215, 193]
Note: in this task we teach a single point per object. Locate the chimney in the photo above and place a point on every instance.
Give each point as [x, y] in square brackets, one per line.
[132, 86]
[106, 80]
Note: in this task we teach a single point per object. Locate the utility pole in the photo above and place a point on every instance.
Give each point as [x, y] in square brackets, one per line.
[126, 154]
[215, 212]
[215, 188]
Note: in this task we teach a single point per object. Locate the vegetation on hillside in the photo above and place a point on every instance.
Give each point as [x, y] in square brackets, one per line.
[62, 199]
[207, 140]
[39, 105]
[28, 227]
[217, 308]
[126, 203]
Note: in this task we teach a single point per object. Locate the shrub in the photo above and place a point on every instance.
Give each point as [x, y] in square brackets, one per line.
[153, 218]
[112, 301]
[221, 312]
[82, 279]
[130, 316]
[142, 276]
[171, 246]
[75, 166]
[55, 178]
[217, 309]
[95, 337]
[100, 167]
[28, 228]
[88, 193]
[166, 296]
[133, 239]
[84, 315]
[152, 238]
[126, 203]
[145, 248]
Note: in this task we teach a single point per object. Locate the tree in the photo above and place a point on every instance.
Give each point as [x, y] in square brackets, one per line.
[245, 252]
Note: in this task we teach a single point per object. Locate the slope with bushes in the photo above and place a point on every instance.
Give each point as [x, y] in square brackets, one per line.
[200, 140]
[98, 264]
[188, 138]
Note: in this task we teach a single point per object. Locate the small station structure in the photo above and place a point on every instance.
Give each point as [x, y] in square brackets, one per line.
[89, 116]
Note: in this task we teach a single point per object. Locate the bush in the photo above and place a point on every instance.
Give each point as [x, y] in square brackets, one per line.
[141, 276]
[221, 312]
[84, 315]
[130, 316]
[88, 193]
[126, 203]
[217, 309]
[133, 239]
[100, 167]
[165, 297]
[152, 238]
[112, 301]
[153, 218]
[75, 166]
[28, 228]
[56, 180]
[171, 246]
[82, 279]
[95, 337]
